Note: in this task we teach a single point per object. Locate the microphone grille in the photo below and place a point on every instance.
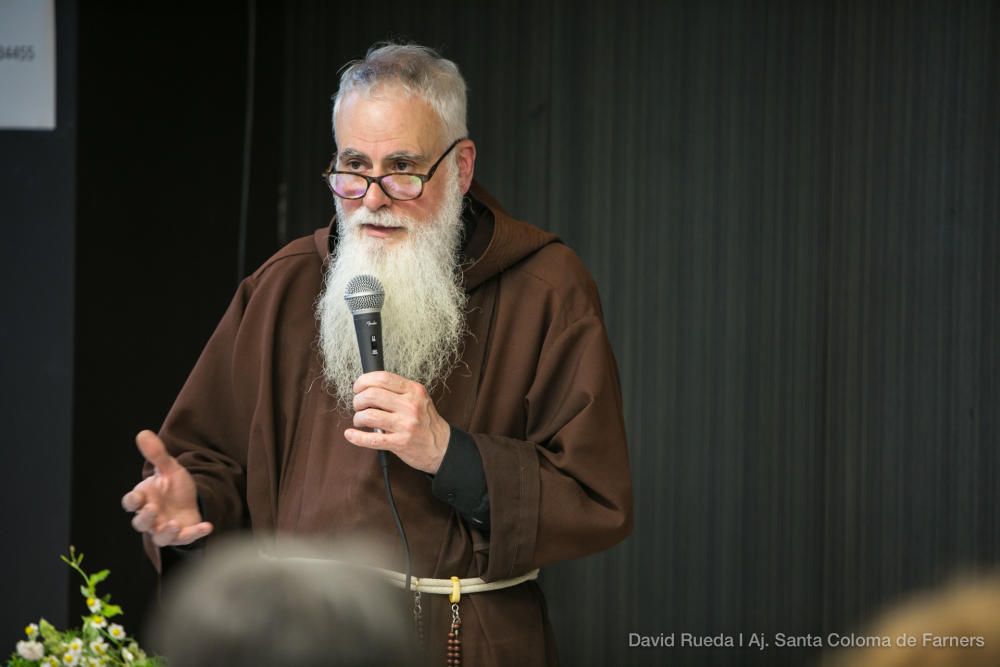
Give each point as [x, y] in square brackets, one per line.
[364, 294]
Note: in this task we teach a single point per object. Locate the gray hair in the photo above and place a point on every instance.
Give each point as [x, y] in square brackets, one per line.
[235, 607]
[421, 71]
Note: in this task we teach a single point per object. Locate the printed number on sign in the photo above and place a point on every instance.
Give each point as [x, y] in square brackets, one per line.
[18, 52]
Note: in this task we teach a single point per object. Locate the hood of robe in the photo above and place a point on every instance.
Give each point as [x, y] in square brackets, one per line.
[511, 241]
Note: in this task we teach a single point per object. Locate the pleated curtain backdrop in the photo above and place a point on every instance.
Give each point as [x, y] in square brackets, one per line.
[791, 211]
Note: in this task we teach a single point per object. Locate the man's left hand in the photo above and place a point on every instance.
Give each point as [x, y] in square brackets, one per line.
[402, 409]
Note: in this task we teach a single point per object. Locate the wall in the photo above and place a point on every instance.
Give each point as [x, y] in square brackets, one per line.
[37, 220]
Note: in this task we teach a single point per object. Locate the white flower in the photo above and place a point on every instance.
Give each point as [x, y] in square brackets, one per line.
[51, 661]
[116, 631]
[93, 662]
[127, 655]
[94, 605]
[75, 646]
[97, 621]
[31, 630]
[71, 659]
[30, 650]
[98, 647]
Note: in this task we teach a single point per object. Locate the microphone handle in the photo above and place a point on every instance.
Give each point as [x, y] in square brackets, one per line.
[368, 327]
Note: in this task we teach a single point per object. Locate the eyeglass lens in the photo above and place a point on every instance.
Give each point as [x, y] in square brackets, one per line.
[397, 186]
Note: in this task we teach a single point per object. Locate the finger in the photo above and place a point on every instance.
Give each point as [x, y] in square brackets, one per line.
[372, 418]
[154, 451]
[384, 379]
[167, 534]
[192, 533]
[369, 440]
[133, 500]
[145, 519]
[378, 397]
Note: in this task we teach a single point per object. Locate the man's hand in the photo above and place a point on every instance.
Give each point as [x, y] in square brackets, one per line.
[411, 427]
[165, 504]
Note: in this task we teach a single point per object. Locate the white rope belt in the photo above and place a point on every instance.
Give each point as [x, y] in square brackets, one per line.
[447, 586]
[424, 584]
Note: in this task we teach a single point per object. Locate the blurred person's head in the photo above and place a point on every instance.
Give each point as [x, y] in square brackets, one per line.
[954, 626]
[238, 607]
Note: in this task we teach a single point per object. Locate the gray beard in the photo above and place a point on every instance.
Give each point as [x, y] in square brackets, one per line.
[423, 318]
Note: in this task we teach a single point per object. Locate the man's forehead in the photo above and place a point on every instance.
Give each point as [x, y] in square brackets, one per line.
[386, 120]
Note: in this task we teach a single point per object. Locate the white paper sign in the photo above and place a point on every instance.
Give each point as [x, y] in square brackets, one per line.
[27, 64]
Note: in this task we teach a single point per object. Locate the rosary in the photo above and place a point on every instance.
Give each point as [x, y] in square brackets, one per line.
[454, 653]
[454, 641]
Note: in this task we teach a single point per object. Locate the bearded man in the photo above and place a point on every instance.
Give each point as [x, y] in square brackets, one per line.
[500, 403]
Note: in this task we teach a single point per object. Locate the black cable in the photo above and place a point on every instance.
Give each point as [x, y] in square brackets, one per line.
[384, 460]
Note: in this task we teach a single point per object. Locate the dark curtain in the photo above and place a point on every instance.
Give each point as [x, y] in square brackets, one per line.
[791, 211]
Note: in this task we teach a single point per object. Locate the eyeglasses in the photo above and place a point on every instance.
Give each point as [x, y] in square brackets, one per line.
[397, 186]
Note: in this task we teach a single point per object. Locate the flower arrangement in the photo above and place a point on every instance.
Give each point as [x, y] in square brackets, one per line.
[98, 643]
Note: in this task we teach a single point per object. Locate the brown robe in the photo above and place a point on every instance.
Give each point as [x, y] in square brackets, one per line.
[538, 390]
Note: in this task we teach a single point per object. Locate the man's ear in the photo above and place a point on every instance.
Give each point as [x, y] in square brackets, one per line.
[466, 163]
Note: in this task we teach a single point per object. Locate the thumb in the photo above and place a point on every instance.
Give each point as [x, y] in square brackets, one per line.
[154, 451]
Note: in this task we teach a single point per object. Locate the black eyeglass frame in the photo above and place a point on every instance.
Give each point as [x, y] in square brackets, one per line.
[378, 179]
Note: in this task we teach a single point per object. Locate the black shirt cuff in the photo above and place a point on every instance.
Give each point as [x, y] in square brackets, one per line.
[461, 481]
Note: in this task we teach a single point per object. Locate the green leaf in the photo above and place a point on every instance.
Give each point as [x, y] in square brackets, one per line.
[47, 630]
[109, 610]
[85, 592]
[98, 577]
[148, 662]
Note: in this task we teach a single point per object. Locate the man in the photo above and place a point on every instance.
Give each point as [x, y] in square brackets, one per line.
[500, 404]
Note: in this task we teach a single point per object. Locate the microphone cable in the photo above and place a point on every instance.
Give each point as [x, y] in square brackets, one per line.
[383, 458]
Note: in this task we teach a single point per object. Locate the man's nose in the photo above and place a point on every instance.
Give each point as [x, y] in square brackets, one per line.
[376, 198]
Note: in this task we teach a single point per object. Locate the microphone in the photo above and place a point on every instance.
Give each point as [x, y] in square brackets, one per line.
[364, 296]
